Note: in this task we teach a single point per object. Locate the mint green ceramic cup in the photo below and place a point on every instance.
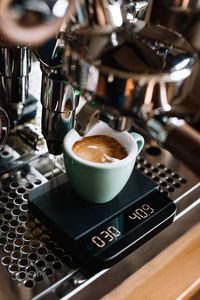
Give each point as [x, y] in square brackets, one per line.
[101, 182]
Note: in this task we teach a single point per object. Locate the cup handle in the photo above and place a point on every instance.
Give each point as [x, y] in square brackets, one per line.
[139, 140]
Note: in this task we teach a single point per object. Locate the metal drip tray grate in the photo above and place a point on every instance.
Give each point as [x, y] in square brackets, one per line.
[29, 253]
[167, 179]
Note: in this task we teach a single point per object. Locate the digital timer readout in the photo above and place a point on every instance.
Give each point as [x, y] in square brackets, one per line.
[111, 233]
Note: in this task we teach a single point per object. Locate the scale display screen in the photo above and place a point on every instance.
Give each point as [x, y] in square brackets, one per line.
[118, 227]
[141, 217]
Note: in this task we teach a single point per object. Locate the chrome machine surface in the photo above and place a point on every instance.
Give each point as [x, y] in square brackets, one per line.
[33, 265]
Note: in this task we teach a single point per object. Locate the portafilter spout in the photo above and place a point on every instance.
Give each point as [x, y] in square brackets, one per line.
[60, 91]
[59, 100]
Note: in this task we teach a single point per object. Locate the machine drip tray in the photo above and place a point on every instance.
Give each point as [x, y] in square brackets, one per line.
[99, 235]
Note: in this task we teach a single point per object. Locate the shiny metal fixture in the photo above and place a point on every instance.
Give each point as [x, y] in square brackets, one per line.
[4, 127]
[146, 58]
[60, 91]
[184, 17]
[31, 22]
[15, 66]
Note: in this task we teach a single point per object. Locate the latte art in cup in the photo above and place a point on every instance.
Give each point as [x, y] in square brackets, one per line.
[99, 164]
[100, 149]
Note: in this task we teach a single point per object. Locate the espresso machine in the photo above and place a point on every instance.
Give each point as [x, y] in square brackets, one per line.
[68, 64]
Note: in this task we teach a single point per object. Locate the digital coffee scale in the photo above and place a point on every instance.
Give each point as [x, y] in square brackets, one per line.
[99, 235]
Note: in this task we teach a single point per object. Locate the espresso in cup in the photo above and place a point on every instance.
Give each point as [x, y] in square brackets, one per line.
[100, 149]
[100, 182]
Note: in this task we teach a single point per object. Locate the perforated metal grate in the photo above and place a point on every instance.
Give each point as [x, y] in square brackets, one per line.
[166, 178]
[30, 254]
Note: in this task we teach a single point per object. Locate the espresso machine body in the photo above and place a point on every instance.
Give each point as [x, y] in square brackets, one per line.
[68, 64]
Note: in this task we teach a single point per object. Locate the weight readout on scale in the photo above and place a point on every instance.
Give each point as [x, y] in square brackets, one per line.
[119, 226]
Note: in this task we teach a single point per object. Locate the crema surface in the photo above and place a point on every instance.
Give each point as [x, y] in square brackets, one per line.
[100, 149]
